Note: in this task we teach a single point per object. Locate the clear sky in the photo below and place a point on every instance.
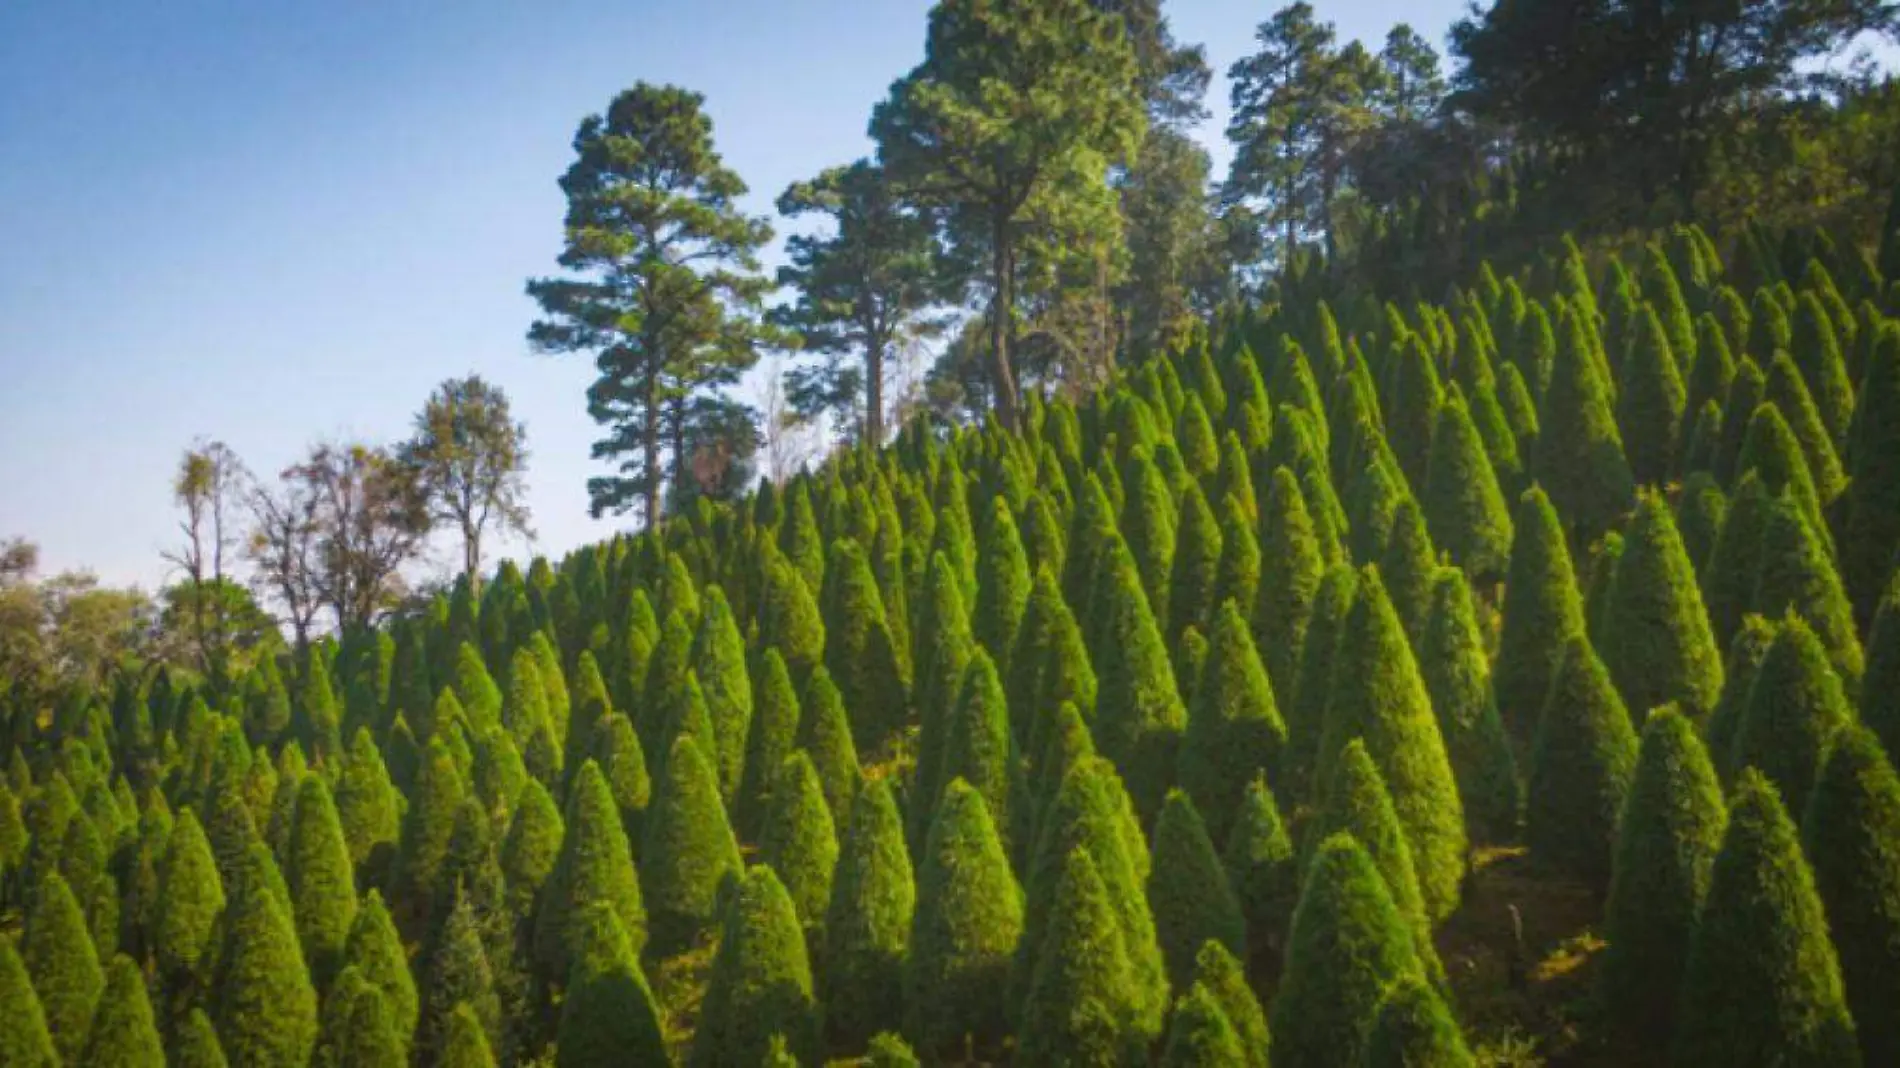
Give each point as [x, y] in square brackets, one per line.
[273, 222]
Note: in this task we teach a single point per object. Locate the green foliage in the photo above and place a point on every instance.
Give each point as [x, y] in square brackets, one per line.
[265, 1006]
[1665, 848]
[1292, 564]
[1357, 803]
[944, 645]
[1872, 524]
[1237, 579]
[859, 650]
[769, 739]
[1851, 835]
[867, 923]
[1378, 695]
[1332, 602]
[1414, 1029]
[122, 1029]
[825, 735]
[1220, 973]
[1234, 730]
[594, 864]
[1651, 396]
[190, 899]
[1763, 985]
[1201, 1036]
[1542, 611]
[1580, 457]
[321, 879]
[1655, 635]
[1797, 575]
[1795, 707]
[24, 1039]
[466, 1046]
[1880, 687]
[1188, 891]
[761, 983]
[1091, 809]
[1260, 865]
[608, 1016]
[1581, 767]
[799, 842]
[430, 820]
[1082, 1001]
[376, 953]
[695, 325]
[719, 666]
[1463, 506]
[789, 619]
[458, 971]
[688, 851]
[1452, 659]
[196, 1044]
[532, 846]
[969, 916]
[63, 964]
[1349, 945]
[1139, 715]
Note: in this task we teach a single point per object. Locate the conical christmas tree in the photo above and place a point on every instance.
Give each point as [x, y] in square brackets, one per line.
[24, 1039]
[321, 879]
[1377, 695]
[825, 735]
[1081, 1003]
[1581, 767]
[799, 842]
[688, 852]
[867, 925]
[1795, 706]
[1188, 891]
[1234, 730]
[594, 865]
[1261, 867]
[1291, 564]
[1458, 678]
[608, 1016]
[1348, 947]
[761, 981]
[969, 916]
[1201, 1036]
[1665, 848]
[64, 966]
[1197, 553]
[1464, 508]
[266, 1008]
[1414, 1029]
[1542, 610]
[1851, 834]
[1763, 985]
[1656, 637]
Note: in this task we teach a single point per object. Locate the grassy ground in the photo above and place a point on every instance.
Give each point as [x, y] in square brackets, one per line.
[1520, 955]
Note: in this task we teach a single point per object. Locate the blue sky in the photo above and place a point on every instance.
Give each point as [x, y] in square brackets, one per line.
[271, 223]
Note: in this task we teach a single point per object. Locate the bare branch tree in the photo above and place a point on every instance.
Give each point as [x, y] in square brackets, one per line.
[210, 482]
[789, 439]
[372, 518]
[285, 547]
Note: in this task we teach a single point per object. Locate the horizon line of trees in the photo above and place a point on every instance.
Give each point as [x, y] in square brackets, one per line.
[1038, 209]
[332, 535]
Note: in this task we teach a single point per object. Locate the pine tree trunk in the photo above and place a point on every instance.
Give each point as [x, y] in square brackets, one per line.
[874, 390]
[1002, 304]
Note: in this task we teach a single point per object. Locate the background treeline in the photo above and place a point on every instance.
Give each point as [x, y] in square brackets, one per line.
[1222, 717]
[1039, 210]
